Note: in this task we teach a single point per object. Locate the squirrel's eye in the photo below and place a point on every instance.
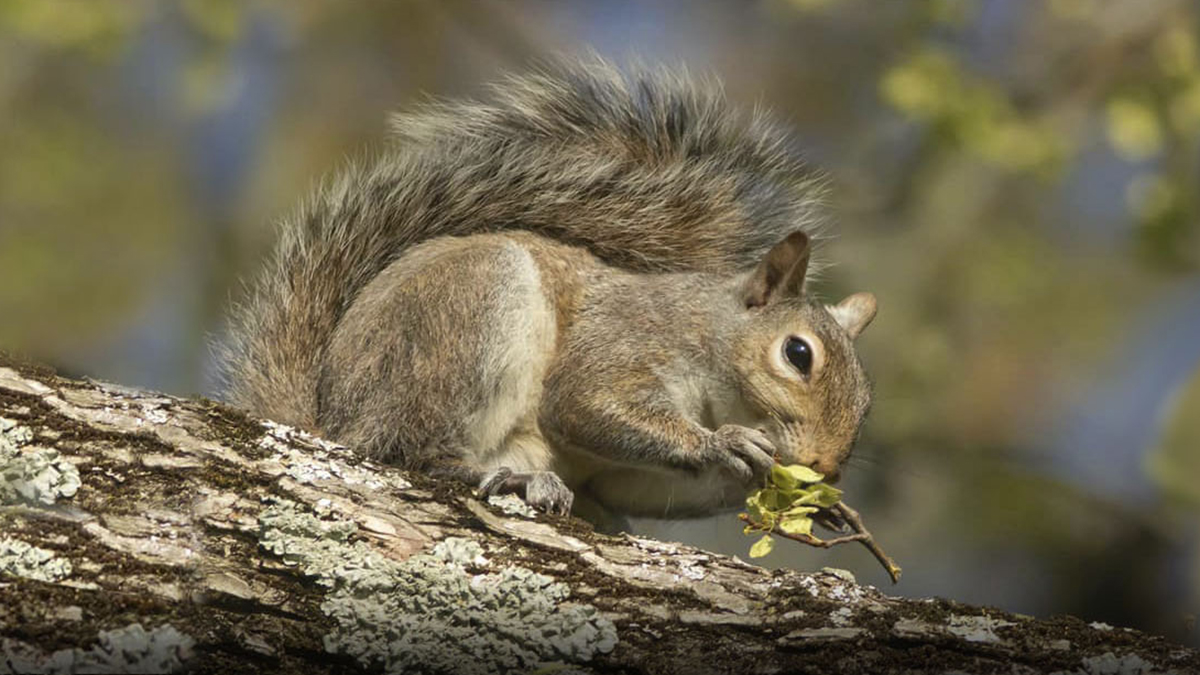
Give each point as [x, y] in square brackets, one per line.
[800, 354]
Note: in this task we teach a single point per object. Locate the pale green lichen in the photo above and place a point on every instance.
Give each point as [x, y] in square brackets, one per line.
[512, 505]
[125, 650]
[977, 628]
[21, 559]
[32, 475]
[435, 612]
[321, 460]
[1111, 664]
[13, 433]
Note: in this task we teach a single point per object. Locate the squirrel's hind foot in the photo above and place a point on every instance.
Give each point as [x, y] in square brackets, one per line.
[540, 489]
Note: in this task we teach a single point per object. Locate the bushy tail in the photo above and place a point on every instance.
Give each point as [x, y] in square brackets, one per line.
[650, 171]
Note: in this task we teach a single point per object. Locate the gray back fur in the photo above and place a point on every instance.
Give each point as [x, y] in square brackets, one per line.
[650, 170]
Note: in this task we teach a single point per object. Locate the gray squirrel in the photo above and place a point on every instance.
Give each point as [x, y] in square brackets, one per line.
[589, 289]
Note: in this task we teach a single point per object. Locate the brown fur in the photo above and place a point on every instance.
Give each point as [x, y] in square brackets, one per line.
[556, 283]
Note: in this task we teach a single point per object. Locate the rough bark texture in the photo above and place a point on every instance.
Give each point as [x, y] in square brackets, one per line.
[144, 532]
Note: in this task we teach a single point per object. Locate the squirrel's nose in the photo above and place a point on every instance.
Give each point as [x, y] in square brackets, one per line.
[831, 470]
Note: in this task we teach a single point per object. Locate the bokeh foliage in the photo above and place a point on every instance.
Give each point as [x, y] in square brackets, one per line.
[1017, 182]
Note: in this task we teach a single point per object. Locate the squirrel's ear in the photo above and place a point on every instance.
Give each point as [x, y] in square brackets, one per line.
[854, 313]
[781, 272]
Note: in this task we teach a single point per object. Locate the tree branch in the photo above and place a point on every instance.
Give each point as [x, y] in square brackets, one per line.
[143, 531]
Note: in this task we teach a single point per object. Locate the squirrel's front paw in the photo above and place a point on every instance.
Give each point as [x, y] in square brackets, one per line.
[540, 489]
[747, 452]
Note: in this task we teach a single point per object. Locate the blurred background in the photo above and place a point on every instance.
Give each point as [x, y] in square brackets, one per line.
[1017, 181]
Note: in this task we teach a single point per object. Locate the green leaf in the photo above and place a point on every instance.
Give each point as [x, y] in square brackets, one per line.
[797, 525]
[769, 519]
[826, 495]
[801, 474]
[771, 499]
[782, 478]
[762, 546]
[754, 505]
[781, 499]
[752, 502]
[803, 511]
[806, 497]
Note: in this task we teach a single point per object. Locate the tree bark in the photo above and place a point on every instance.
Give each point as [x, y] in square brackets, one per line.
[142, 532]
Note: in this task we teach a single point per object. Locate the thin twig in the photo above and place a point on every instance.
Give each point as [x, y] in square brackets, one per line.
[851, 516]
[860, 535]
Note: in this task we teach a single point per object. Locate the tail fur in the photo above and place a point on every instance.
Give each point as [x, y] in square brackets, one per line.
[650, 170]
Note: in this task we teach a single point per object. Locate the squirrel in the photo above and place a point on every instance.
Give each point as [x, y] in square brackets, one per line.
[589, 290]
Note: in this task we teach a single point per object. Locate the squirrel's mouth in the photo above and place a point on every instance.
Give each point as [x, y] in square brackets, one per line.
[795, 444]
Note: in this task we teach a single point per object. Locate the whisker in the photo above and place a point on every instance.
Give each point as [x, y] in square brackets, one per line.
[863, 460]
[892, 467]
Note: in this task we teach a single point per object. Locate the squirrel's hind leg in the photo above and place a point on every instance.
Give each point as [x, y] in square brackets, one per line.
[521, 465]
[542, 489]
[439, 362]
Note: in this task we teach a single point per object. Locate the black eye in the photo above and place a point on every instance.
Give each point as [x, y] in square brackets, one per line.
[800, 353]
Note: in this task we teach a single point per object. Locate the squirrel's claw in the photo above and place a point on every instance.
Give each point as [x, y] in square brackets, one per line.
[546, 491]
[747, 452]
[494, 483]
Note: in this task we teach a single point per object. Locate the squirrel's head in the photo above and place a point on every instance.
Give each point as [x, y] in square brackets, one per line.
[801, 380]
